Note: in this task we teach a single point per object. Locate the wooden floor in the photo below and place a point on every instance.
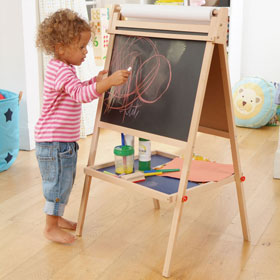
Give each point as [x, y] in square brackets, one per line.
[125, 238]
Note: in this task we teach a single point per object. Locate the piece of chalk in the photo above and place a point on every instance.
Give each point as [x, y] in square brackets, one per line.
[152, 174]
[109, 173]
[138, 181]
[129, 68]
[162, 170]
[152, 171]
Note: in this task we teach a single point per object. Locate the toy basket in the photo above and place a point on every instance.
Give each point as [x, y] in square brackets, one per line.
[9, 129]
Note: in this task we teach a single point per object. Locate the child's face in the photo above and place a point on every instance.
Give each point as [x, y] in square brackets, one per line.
[76, 53]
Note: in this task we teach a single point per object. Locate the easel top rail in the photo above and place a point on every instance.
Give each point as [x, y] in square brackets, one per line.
[212, 30]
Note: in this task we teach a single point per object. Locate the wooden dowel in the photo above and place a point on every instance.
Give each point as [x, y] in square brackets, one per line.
[215, 12]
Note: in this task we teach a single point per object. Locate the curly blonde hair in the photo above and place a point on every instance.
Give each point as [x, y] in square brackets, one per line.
[63, 26]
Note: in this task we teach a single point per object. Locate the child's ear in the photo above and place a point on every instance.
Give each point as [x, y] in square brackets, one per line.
[59, 49]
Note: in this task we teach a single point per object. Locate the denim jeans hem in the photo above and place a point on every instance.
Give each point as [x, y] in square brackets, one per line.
[54, 209]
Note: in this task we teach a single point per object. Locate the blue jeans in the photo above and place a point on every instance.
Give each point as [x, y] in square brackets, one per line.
[57, 163]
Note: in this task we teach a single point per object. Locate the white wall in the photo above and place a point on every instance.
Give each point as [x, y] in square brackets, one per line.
[235, 40]
[19, 62]
[261, 39]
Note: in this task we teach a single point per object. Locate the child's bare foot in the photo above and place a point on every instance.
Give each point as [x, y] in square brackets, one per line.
[63, 223]
[53, 231]
[56, 234]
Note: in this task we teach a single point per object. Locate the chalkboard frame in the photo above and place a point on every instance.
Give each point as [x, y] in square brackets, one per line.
[152, 30]
[171, 115]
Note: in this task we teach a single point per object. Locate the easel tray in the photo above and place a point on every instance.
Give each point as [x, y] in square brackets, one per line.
[158, 187]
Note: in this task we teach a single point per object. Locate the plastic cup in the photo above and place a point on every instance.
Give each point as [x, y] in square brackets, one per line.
[124, 159]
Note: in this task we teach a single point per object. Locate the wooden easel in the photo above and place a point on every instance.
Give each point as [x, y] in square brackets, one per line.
[212, 113]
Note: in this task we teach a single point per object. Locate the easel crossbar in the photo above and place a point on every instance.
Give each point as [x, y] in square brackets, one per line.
[163, 26]
[161, 35]
[152, 137]
[212, 131]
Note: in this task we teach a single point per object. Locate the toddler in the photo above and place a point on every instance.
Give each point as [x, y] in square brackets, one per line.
[65, 36]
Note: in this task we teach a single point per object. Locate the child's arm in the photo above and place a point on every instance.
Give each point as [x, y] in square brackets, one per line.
[89, 82]
[95, 79]
[117, 78]
[83, 93]
[67, 81]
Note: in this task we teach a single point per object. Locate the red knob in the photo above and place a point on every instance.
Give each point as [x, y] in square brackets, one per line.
[184, 198]
[242, 179]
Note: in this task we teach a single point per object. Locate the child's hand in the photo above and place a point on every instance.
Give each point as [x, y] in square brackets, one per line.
[100, 75]
[119, 77]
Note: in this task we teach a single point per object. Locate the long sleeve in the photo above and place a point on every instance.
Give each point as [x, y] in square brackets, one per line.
[81, 92]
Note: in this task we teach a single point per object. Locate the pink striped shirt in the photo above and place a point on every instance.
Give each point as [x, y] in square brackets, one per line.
[61, 111]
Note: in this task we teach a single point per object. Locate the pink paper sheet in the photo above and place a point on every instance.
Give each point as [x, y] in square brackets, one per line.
[200, 171]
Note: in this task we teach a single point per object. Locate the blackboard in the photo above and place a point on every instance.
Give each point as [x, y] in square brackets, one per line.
[159, 96]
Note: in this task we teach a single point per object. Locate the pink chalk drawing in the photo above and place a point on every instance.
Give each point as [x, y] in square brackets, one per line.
[149, 80]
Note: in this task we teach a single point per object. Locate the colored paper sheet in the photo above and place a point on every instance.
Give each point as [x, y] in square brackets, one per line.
[207, 171]
[200, 171]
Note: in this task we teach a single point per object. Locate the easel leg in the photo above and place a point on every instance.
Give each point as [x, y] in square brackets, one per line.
[242, 210]
[156, 203]
[172, 238]
[83, 206]
[239, 188]
[238, 175]
[233, 143]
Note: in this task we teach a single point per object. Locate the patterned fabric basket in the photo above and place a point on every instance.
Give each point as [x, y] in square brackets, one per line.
[253, 102]
[9, 129]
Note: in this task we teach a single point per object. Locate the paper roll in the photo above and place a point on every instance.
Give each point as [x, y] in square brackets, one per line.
[167, 12]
